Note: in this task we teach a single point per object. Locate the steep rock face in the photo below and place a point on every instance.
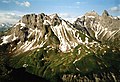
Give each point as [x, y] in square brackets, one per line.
[52, 48]
[29, 32]
[103, 28]
[35, 31]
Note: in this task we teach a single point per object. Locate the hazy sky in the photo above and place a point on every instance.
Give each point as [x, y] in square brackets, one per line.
[13, 9]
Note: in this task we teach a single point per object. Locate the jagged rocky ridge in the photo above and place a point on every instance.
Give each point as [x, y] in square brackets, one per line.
[52, 48]
[102, 28]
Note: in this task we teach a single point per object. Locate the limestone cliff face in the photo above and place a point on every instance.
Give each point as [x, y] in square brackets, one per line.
[35, 31]
[102, 28]
[52, 48]
[31, 32]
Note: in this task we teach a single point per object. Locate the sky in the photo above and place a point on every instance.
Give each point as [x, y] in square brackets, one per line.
[12, 10]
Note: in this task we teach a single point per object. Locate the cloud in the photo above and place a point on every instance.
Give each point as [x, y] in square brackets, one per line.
[115, 9]
[24, 3]
[6, 17]
[78, 2]
[65, 15]
[6, 1]
[74, 5]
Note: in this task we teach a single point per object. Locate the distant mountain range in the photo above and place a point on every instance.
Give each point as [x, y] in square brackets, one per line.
[5, 26]
[57, 50]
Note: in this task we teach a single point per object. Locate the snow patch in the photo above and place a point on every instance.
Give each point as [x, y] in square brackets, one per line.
[77, 69]
[29, 46]
[91, 16]
[14, 37]
[13, 48]
[21, 24]
[75, 61]
[2, 25]
[42, 43]
[46, 22]
[5, 39]
[25, 65]
[52, 16]
[86, 40]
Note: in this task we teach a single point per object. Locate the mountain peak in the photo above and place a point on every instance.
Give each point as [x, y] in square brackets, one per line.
[92, 13]
[105, 13]
[54, 16]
